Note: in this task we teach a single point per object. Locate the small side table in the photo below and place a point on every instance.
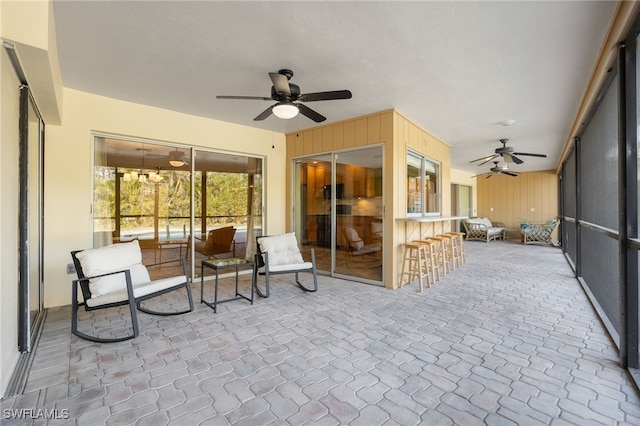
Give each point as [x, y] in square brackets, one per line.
[217, 265]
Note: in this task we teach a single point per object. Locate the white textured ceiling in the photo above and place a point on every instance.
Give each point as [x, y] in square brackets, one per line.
[457, 69]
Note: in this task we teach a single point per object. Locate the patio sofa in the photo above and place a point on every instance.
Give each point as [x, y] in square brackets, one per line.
[483, 229]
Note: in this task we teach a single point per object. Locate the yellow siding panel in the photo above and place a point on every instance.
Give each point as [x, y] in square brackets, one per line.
[290, 139]
[327, 139]
[318, 140]
[373, 129]
[307, 146]
[349, 134]
[386, 127]
[361, 132]
[338, 136]
[298, 144]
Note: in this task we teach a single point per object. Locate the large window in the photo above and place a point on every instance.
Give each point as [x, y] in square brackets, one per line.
[171, 198]
[423, 185]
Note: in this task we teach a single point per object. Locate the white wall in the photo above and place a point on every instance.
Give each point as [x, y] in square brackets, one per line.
[461, 177]
[9, 192]
[68, 173]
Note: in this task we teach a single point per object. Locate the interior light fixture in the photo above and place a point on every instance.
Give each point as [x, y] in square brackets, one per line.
[175, 158]
[285, 110]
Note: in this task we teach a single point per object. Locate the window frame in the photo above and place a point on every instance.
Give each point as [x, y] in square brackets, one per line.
[424, 162]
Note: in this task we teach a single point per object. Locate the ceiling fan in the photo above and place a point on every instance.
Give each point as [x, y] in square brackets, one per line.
[495, 170]
[288, 97]
[506, 152]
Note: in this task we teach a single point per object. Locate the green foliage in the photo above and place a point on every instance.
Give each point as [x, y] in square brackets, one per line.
[227, 197]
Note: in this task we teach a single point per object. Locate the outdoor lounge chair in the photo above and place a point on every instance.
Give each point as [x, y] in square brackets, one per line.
[115, 276]
[280, 254]
[219, 241]
[538, 232]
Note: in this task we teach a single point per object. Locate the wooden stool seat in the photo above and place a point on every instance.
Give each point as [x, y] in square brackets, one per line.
[449, 251]
[442, 253]
[459, 241]
[430, 249]
[413, 264]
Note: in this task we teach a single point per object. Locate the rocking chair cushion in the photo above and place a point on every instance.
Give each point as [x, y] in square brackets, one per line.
[113, 258]
[283, 250]
[139, 290]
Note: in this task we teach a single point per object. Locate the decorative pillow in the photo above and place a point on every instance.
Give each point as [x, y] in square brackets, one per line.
[116, 257]
[283, 249]
[486, 222]
[354, 239]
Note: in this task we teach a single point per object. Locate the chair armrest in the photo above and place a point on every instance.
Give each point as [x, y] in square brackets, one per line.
[498, 224]
[126, 272]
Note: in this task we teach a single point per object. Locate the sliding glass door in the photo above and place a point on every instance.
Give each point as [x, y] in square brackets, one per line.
[338, 211]
[170, 199]
[31, 222]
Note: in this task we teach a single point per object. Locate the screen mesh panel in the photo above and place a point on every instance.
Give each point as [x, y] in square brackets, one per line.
[599, 153]
[600, 270]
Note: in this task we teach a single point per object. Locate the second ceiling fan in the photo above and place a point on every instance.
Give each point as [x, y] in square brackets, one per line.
[507, 153]
[495, 170]
[288, 97]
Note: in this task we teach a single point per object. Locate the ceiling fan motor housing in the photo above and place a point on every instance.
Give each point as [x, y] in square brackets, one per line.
[504, 150]
[293, 88]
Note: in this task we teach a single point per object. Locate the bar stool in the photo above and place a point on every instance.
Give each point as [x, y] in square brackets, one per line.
[430, 250]
[448, 249]
[441, 254]
[459, 240]
[413, 255]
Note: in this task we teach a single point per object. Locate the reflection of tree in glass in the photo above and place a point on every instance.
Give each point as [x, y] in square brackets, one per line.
[227, 199]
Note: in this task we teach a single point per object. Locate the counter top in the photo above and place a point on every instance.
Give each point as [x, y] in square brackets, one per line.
[430, 218]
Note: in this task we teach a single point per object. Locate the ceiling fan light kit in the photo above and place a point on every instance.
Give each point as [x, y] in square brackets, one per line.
[288, 98]
[176, 158]
[285, 110]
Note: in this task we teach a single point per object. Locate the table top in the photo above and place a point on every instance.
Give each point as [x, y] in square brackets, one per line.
[171, 242]
[228, 262]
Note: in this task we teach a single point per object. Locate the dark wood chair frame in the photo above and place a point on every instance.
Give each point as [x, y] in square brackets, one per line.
[262, 260]
[133, 302]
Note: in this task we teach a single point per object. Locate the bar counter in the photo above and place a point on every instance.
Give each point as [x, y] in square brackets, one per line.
[421, 227]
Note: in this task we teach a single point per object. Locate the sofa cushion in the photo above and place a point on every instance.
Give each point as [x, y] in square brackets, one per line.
[486, 222]
[283, 249]
[116, 257]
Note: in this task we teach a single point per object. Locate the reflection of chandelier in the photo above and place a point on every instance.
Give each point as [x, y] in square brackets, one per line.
[153, 177]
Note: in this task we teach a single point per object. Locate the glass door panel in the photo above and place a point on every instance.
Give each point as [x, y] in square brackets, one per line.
[358, 214]
[227, 206]
[312, 204]
[30, 221]
[338, 212]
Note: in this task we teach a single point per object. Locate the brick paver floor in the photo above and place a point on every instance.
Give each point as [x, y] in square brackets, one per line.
[509, 338]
